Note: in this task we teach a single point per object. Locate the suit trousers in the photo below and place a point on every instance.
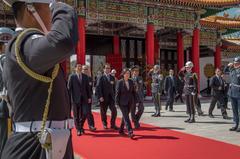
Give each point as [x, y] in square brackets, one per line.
[136, 116]
[125, 118]
[80, 113]
[221, 101]
[236, 109]
[170, 99]
[190, 104]
[179, 96]
[3, 133]
[90, 118]
[157, 103]
[103, 110]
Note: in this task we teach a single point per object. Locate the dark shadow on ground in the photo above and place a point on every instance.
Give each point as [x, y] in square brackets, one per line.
[213, 122]
[175, 116]
[136, 137]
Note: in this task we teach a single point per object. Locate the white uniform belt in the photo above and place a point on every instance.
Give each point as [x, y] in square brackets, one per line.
[235, 85]
[35, 126]
[189, 86]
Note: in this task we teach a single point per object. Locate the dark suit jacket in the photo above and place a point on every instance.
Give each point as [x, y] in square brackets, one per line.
[80, 92]
[215, 84]
[125, 97]
[106, 88]
[170, 85]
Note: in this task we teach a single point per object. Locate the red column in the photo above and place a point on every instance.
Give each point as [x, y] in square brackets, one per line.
[196, 52]
[150, 44]
[81, 46]
[180, 50]
[217, 57]
[116, 43]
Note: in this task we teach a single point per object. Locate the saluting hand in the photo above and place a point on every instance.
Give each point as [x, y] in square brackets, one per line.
[89, 100]
[230, 65]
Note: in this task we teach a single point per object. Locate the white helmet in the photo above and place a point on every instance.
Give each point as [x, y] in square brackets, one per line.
[113, 71]
[32, 9]
[189, 64]
[10, 2]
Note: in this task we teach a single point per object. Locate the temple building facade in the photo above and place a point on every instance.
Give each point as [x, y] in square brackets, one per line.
[165, 32]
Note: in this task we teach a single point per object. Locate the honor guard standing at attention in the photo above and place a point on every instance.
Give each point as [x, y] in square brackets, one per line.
[156, 88]
[5, 109]
[47, 34]
[190, 89]
[106, 95]
[234, 90]
[139, 88]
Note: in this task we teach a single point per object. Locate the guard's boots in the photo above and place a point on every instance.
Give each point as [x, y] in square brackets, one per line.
[234, 128]
[192, 120]
[158, 114]
[189, 118]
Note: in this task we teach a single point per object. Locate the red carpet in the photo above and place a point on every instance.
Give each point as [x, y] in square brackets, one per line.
[150, 143]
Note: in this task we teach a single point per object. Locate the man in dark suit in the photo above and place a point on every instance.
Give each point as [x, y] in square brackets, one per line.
[217, 85]
[139, 88]
[170, 89]
[106, 95]
[78, 85]
[179, 89]
[90, 118]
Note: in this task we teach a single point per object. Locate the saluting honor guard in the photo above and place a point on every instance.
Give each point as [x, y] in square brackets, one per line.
[37, 92]
[156, 88]
[190, 89]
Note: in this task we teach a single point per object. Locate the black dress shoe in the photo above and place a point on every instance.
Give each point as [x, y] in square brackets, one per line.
[157, 115]
[225, 117]
[186, 121]
[233, 128]
[153, 115]
[92, 128]
[130, 135]
[171, 110]
[79, 133]
[121, 132]
[210, 115]
[115, 127]
[200, 114]
[192, 121]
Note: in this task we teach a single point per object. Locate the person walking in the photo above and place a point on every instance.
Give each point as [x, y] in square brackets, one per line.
[125, 98]
[139, 88]
[106, 95]
[217, 85]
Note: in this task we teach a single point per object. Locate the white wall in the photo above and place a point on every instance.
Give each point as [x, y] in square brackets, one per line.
[203, 78]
